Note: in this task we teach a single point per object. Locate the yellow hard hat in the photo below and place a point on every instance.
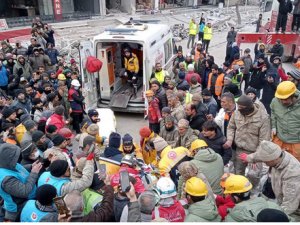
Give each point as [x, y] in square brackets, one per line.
[196, 187]
[224, 178]
[237, 184]
[198, 144]
[149, 93]
[61, 77]
[285, 89]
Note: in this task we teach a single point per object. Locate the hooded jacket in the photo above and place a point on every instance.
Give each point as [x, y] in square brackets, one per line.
[26, 69]
[203, 211]
[56, 120]
[217, 143]
[171, 137]
[211, 165]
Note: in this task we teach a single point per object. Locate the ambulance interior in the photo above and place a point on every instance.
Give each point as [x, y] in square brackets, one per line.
[114, 90]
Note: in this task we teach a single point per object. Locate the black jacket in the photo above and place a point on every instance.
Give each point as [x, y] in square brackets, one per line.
[162, 97]
[217, 143]
[285, 7]
[197, 121]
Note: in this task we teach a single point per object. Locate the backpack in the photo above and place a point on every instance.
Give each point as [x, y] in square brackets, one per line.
[93, 64]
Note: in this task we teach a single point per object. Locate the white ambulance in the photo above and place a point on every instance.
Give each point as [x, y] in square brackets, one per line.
[150, 42]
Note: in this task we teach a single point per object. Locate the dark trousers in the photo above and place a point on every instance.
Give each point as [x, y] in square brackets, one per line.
[154, 127]
[200, 36]
[246, 78]
[296, 22]
[281, 22]
[205, 45]
[191, 38]
[77, 120]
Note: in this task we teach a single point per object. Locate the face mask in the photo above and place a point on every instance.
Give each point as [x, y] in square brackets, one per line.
[246, 111]
[76, 88]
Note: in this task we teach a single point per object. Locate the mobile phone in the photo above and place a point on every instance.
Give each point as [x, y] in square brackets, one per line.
[61, 205]
[124, 180]
[101, 170]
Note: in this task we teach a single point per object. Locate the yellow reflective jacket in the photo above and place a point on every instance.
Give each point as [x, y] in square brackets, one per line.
[20, 131]
[193, 28]
[207, 33]
[149, 156]
[137, 151]
[132, 64]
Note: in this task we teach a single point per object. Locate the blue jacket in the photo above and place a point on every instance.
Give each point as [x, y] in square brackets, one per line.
[3, 77]
[31, 213]
[201, 27]
[52, 53]
[21, 174]
[47, 178]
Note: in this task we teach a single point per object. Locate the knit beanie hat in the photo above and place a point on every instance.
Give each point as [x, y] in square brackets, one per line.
[244, 100]
[145, 132]
[166, 109]
[272, 215]
[45, 194]
[183, 123]
[93, 129]
[170, 119]
[58, 139]
[181, 75]
[29, 124]
[37, 135]
[159, 144]
[261, 56]
[25, 117]
[251, 90]
[206, 92]
[27, 148]
[59, 110]
[114, 140]
[268, 151]
[7, 111]
[58, 168]
[127, 139]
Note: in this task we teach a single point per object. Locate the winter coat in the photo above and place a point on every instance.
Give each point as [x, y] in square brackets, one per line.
[248, 131]
[3, 76]
[113, 154]
[247, 64]
[277, 50]
[211, 165]
[174, 213]
[40, 60]
[52, 53]
[296, 4]
[212, 106]
[247, 211]
[25, 69]
[234, 50]
[189, 76]
[231, 37]
[153, 111]
[56, 120]
[187, 139]
[217, 143]
[269, 90]
[134, 214]
[162, 97]
[203, 211]
[178, 112]
[286, 120]
[195, 89]
[57, 152]
[196, 122]
[120, 207]
[171, 137]
[220, 120]
[224, 204]
[26, 106]
[149, 155]
[183, 85]
[285, 6]
[76, 100]
[20, 51]
[257, 77]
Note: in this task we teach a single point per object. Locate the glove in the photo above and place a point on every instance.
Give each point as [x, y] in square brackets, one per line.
[20, 72]
[90, 156]
[243, 157]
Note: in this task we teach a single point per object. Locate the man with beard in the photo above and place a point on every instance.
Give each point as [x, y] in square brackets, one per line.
[195, 120]
[37, 109]
[92, 118]
[159, 93]
[159, 74]
[247, 128]
[40, 140]
[131, 64]
[22, 102]
[38, 60]
[30, 93]
[129, 147]
[177, 110]
[285, 116]
[278, 66]
[179, 58]
[210, 102]
[9, 115]
[169, 131]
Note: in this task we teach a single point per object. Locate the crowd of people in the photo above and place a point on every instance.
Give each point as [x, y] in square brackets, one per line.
[216, 148]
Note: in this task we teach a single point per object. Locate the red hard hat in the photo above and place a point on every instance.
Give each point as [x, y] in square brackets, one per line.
[66, 133]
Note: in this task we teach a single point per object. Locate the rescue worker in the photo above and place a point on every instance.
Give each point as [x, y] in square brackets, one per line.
[159, 73]
[59, 176]
[193, 28]
[207, 36]
[154, 115]
[209, 163]
[285, 178]
[294, 76]
[131, 64]
[197, 51]
[201, 207]
[246, 209]
[16, 184]
[215, 82]
[147, 146]
[168, 207]
[129, 147]
[35, 210]
[285, 117]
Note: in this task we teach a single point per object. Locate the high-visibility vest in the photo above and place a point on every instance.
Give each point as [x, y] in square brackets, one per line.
[192, 28]
[219, 83]
[207, 33]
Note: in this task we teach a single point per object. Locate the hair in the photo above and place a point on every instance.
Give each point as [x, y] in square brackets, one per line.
[243, 196]
[74, 202]
[229, 96]
[193, 107]
[147, 202]
[210, 126]
[197, 198]
[41, 67]
[50, 129]
[157, 63]
[194, 80]
[27, 86]
[214, 66]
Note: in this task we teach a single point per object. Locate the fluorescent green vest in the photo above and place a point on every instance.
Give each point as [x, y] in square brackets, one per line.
[91, 199]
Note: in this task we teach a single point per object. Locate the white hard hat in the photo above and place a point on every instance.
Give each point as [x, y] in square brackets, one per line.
[75, 83]
[166, 187]
[199, 42]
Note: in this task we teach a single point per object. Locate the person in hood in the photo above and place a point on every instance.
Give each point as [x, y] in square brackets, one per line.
[17, 184]
[3, 77]
[131, 65]
[201, 207]
[22, 102]
[247, 128]
[252, 93]
[269, 88]
[213, 136]
[182, 84]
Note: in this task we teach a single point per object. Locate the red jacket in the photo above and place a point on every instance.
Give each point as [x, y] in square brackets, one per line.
[223, 204]
[189, 76]
[153, 111]
[56, 120]
[282, 74]
[175, 213]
